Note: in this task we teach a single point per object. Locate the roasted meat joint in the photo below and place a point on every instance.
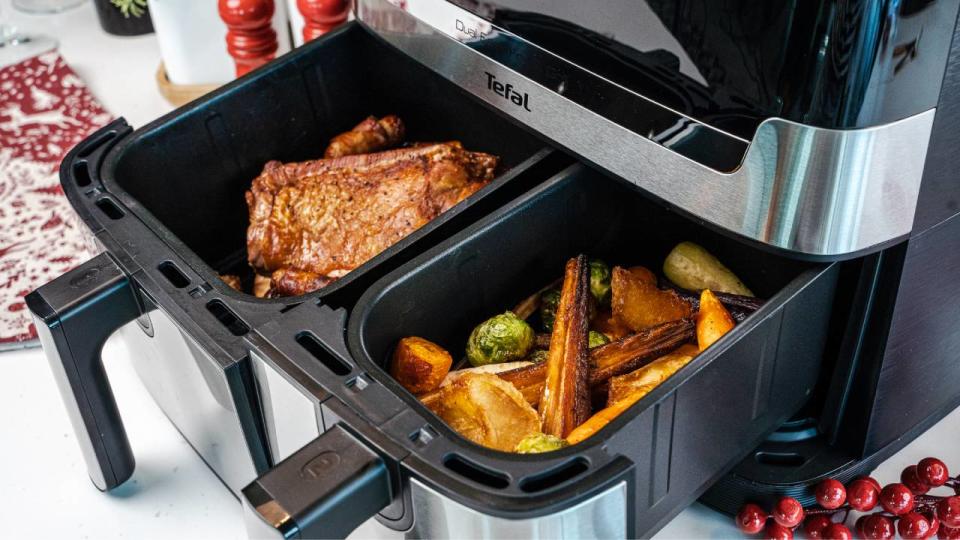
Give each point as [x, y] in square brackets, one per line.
[315, 221]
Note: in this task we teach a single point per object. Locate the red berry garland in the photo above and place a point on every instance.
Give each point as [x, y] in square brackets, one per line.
[903, 508]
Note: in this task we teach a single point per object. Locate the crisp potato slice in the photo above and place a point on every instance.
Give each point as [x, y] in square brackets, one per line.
[487, 410]
[713, 320]
[654, 373]
[638, 304]
[419, 364]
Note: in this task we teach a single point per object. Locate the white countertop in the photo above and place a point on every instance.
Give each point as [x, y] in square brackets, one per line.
[46, 491]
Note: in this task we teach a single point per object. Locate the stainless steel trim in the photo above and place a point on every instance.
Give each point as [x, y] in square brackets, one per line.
[809, 190]
[193, 391]
[437, 516]
[292, 419]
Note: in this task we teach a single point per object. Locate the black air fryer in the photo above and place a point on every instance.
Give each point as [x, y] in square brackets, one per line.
[810, 145]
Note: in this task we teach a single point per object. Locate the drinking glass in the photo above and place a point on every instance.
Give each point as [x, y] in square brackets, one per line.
[16, 46]
[45, 6]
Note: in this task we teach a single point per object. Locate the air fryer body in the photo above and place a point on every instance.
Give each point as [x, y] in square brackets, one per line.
[814, 139]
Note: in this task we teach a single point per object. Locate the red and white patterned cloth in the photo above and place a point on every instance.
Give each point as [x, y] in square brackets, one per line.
[45, 109]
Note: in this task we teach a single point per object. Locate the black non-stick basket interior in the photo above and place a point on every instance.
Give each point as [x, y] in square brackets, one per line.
[186, 173]
[684, 434]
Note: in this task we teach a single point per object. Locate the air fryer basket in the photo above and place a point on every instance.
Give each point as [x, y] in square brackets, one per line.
[186, 173]
[726, 400]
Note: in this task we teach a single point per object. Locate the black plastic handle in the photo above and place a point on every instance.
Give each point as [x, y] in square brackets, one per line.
[74, 315]
[324, 490]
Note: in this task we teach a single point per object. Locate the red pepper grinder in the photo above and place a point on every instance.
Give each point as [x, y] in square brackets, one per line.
[321, 16]
[251, 40]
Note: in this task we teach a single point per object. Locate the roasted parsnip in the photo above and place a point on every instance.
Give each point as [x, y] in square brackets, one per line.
[565, 402]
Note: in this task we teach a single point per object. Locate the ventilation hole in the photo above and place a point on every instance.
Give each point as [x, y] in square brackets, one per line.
[173, 274]
[478, 474]
[81, 174]
[227, 318]
[313, 346]
[778, 459]
[554, 477]
[109, 208]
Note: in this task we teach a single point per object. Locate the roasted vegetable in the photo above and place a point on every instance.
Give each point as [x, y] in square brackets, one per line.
[608, 325]
[430, 397]
[529, 305]
[262, 286]
[600, 419]
[549, 301]
[565, 402]
[637, 303]
[503, 338]
[419, 365]
[538, 356]
[600, 281]
[694, 268]
[537, 443]
[596, 339]
[631, 388]
[740, 307]
[486, 410]
[621, 356]
[654, 373]
[713, 320]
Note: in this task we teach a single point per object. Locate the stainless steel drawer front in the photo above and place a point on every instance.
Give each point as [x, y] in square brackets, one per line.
[809, 190]
[437, 516]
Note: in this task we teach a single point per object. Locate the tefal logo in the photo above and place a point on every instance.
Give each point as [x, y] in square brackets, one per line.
[507, 91]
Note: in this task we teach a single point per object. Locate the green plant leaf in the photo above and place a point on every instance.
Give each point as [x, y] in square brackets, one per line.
[135, 8]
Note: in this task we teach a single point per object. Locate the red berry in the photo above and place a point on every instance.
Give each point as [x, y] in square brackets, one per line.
[862, 495]
[932, 471]
[948, 533]
[948, 510]
[858, 526]
[815, 526]
[913, 526]
[872, 480]
[876, 526]
[837, 531]
[897, 499]
[831, 494]
[776, 531]
[931, 516]
[910, 479]
[787, 512]
[751, 519]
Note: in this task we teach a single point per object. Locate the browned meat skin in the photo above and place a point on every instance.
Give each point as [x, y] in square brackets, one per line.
[292, 282]
[329, 216]
[371, 135]
[232, 281]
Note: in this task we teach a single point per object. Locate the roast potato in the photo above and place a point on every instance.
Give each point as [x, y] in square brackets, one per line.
[652, 374]
[419, 364]
[713, 320]
[638, 304]
[487, 410]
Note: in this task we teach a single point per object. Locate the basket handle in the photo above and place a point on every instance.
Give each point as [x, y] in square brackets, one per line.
[324, 490]
[74, 315]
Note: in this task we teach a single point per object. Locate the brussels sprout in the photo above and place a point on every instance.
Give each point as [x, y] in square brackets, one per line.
[549, 301]
[600, 281]
[597, 339]
[536, 443]
[538, 356]
[503, 338]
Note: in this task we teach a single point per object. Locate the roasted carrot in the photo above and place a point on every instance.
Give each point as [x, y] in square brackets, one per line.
[565, 402]
[713, 320]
